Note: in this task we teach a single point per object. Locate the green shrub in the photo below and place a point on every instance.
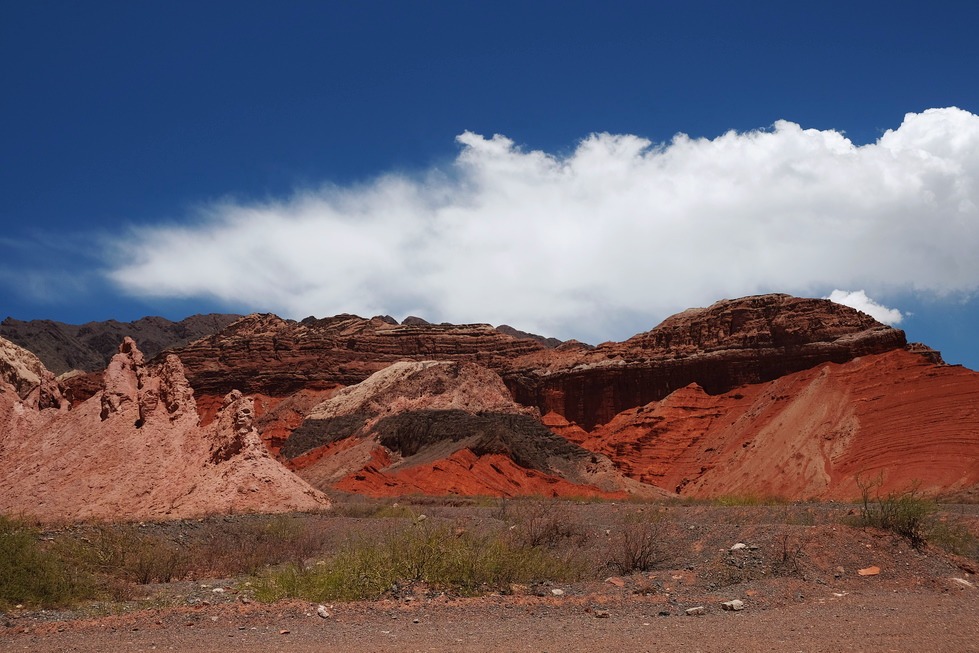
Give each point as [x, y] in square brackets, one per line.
[30, 574]
[437, 556]
[954, 537]
[907, 513]
[121, 552]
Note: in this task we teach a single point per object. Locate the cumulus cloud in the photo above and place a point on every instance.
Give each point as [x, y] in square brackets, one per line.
[858, 299]
[598, 243]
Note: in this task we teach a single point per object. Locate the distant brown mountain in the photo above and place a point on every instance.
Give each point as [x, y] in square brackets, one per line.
[89, 347]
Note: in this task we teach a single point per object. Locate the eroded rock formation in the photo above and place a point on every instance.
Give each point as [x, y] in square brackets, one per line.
[440, 427]
[729, 344]
[268, 355]
[24, 374]
[695, 368]
[136, 451]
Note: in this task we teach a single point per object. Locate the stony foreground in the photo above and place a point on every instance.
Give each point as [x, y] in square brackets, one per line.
[845, 588]
[870, 619]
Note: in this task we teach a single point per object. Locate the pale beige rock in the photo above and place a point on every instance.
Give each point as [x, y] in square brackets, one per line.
[28, 377]
[19, 367]
[420, 385]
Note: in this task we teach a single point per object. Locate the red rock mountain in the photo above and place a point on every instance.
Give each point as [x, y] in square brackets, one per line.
[762, 395]
[268, 355]
[730, 344]
[689, 374]
[895, 417]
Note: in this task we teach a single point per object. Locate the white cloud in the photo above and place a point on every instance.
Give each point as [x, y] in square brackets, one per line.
[858, 299]
[602, 242]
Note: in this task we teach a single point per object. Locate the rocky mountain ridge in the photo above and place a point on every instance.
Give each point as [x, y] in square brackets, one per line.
[769, 394]
[89, 347]
[729, 344]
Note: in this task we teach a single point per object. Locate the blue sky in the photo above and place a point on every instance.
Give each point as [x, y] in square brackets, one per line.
[325, 157]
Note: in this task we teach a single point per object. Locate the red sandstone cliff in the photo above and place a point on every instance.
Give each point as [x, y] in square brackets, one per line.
[268, 355]
[731, 343]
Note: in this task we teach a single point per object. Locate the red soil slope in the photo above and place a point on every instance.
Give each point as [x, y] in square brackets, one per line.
[805, 435]
[465, 473]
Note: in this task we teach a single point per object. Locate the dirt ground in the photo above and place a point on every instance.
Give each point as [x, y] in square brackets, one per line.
[870, 619]
[798, 576]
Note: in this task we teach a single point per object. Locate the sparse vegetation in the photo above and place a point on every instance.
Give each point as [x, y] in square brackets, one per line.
[734, 500]
[954, 537]
[638, 545]
[536, 523]
[789, 554]
[130, 553]
[31, 574]
[907, 513]
[108, 561]
[382, 548]
[437, 556]
[254, 545]
[126, 555]
[915, 518]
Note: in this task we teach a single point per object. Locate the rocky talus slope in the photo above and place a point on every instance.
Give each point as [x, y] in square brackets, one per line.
[133, 451]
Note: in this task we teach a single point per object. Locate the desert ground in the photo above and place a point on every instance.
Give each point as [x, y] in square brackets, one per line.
[809, 578]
